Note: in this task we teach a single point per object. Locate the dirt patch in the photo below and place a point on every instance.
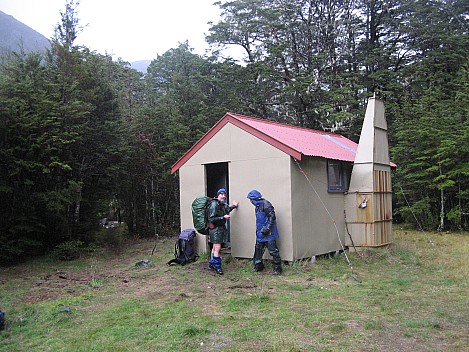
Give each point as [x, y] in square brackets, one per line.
[42, 294]
[392, 341]
[52, 286]
[242, 286]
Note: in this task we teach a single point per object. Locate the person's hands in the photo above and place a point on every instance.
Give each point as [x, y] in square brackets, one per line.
[227, 217]
[235, 203]
[265, 231]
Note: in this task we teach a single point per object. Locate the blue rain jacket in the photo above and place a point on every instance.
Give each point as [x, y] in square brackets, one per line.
[265, 218]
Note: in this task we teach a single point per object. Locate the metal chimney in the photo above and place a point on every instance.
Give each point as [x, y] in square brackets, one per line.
[368, 203]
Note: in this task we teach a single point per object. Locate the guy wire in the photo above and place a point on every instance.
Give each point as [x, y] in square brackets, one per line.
[415, 217]
[328, 213]
[410, 208]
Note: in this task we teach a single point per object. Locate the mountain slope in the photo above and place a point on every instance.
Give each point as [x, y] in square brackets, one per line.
[15, 35]
[141, 65]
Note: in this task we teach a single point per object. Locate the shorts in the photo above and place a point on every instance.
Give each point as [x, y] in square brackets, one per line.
[218, 235]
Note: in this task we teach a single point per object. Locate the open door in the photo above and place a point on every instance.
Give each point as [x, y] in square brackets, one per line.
[216, 177]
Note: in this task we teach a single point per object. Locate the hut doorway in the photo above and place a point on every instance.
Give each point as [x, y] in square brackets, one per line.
[216, 177]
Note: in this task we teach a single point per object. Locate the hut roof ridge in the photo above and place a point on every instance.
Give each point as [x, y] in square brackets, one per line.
[293, 140]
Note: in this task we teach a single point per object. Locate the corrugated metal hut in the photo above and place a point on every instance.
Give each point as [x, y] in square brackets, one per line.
[304, 173]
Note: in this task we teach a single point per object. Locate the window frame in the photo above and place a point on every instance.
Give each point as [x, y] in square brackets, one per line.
[344, 171]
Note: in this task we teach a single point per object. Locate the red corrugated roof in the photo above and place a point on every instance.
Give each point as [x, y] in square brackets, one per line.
[295, 141]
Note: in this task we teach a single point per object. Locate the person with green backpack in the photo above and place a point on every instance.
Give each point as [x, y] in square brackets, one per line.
[218, 214]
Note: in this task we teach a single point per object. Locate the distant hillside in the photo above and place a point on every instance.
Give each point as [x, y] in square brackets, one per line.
[141, 65]
[15, 35]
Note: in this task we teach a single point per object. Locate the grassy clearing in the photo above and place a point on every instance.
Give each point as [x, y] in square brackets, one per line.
[413, 297]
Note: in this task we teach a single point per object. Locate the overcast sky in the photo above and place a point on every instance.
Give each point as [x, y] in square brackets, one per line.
[130, 29]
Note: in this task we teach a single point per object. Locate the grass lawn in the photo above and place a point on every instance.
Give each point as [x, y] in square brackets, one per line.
[414, 296]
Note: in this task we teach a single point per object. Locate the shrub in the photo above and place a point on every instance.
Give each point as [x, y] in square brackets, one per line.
[68, 250]
[113, 236]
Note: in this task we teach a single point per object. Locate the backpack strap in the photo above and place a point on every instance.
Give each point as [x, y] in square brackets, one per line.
[186, 258]
[175, 260]
[172, 261]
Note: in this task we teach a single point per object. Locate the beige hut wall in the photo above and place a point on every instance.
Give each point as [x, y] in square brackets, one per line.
[314, 232]
[191, 185]
[252, 164]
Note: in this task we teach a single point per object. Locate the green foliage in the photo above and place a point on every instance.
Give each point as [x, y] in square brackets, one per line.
[420, 210]
[69, 250]
[61, 141]
[12, 250]
[113, 236]
[96, 283]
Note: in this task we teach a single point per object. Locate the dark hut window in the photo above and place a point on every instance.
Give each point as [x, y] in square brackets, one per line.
[338, 174]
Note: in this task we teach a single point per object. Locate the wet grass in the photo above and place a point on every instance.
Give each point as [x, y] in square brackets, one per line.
[413, 296]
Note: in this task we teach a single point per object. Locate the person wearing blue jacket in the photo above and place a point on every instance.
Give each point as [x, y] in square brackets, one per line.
[266, 233]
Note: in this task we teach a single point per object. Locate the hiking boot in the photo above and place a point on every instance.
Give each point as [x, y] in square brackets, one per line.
[215, 264]
[276, 273]
[212, 268]
[258, 267]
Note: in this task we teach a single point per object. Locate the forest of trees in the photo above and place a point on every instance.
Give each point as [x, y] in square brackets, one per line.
[81, 133]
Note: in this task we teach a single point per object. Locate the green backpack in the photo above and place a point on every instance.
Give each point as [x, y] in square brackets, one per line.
[199, 214]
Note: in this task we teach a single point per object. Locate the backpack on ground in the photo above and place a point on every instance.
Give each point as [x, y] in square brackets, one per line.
[199, 214]
[184, 248]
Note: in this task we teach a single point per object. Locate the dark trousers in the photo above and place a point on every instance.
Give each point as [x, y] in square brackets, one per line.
[259, 250]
